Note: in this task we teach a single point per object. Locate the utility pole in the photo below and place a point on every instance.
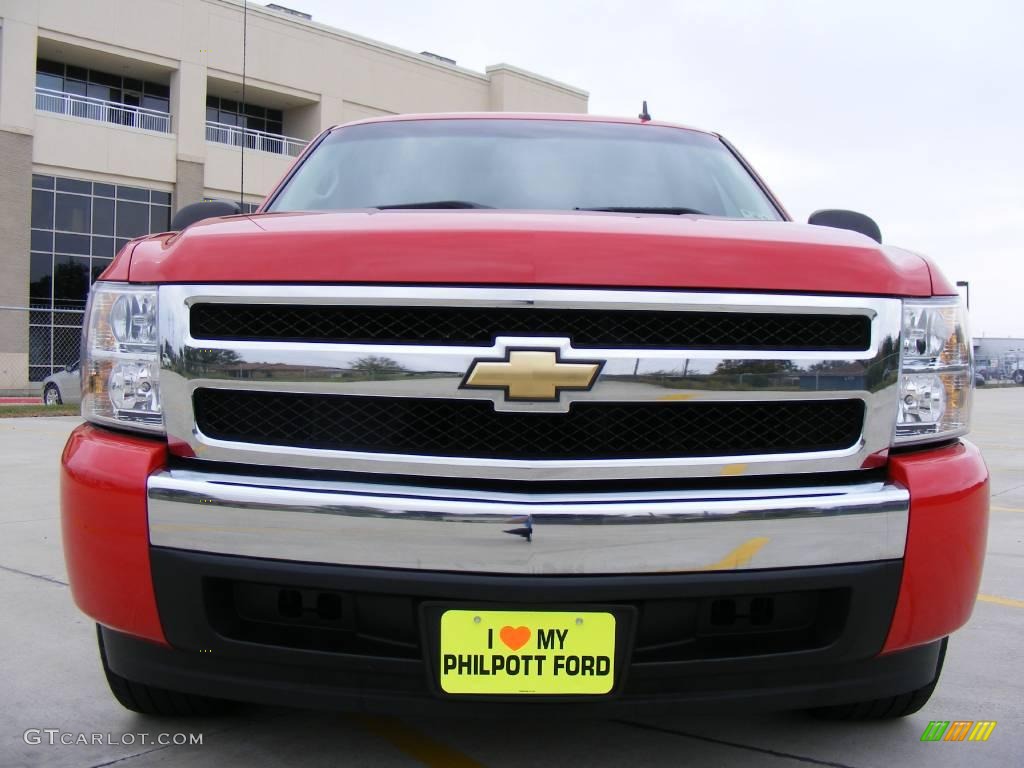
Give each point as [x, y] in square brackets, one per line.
[967, 289]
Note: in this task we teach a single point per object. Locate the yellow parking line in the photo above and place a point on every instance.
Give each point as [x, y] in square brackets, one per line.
[740, 556]
[733, 470]
[996, 508]
[431, 753]
[1007, 601]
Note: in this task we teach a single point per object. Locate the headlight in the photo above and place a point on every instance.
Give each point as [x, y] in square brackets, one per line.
[120, 358]
[935, 372]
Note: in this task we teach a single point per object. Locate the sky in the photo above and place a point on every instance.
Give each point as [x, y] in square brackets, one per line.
[910, 112]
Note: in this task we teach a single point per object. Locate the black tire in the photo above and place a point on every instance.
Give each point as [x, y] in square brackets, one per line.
[887, 708]
[151, 700]
[51, 390]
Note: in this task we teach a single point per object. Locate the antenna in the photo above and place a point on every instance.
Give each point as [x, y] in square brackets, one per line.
[245, 31]
[644, 114]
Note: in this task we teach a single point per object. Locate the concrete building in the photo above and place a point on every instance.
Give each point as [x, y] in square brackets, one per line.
[113, 113]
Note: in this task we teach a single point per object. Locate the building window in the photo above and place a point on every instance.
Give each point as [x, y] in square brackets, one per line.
[248, 116]
[77, 227]
[97, 95]
[249, 126]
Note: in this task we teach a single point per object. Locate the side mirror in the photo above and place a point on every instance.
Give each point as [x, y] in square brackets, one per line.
[206, 209]
[839, 219]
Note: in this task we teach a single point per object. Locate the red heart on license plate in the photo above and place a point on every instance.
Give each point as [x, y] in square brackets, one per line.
[515, 637]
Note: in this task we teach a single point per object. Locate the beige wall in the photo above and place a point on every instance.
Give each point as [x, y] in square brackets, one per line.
[15, 208]
[17, 100]
[188, 111]
[516, 90]
[188, 188]
[17, 65]
[90, 145]
[351, 110]
[262, 169]
[303, 121]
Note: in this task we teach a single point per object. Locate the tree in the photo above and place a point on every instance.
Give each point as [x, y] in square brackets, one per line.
[201, 360]
[377, 366]
[736, 367]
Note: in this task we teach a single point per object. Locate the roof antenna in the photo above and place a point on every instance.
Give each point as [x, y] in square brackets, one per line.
[241, 183]
[644, 115]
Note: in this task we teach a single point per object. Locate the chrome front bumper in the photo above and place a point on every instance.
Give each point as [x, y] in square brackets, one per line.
[392, 526]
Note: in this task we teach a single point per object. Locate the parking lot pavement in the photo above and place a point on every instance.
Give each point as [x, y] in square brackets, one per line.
[51, 679]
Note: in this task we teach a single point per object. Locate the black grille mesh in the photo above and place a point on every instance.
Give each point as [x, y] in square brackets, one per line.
[477, 326]
[473, 428]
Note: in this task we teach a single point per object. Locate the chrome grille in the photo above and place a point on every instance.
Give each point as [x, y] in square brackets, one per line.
[479, 326]
[241, 384]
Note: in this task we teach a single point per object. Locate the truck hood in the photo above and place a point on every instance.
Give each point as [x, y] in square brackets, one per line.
[528, 248]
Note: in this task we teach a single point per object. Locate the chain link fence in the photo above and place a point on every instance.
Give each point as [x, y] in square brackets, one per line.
[54, 335]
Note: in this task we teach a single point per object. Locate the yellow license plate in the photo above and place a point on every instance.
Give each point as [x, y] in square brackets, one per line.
[524, 652]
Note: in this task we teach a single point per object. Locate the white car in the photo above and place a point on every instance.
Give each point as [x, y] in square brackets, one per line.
[63, 386]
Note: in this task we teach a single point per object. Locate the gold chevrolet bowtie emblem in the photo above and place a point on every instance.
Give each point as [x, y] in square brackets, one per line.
[531, 374]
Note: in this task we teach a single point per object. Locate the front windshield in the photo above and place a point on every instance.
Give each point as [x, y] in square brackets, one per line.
[524, 164]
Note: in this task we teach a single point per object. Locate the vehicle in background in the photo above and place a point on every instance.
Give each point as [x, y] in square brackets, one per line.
[1005, 367]
[64, 386]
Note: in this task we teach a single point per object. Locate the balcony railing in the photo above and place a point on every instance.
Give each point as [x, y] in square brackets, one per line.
[105, 111]
[257, 140]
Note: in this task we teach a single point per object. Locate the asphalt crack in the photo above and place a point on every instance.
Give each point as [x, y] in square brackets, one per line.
[163, 746]
[1007, 490]
[33, 575]
[737, 745]
[130, 757]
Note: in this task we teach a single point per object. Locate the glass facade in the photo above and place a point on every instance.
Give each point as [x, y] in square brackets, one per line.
[66, 78]
[250, 116]
[77, 227]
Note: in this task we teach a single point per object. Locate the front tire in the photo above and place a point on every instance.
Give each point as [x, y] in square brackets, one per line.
[888, 707]
[151, 700]
[51, 395]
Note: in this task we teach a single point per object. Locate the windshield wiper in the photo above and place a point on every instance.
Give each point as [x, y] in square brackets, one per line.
[434, 204]
[646, 209]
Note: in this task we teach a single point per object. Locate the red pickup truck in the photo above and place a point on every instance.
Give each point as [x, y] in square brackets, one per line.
[511, 412]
